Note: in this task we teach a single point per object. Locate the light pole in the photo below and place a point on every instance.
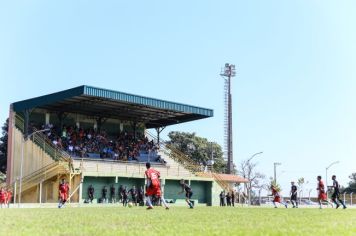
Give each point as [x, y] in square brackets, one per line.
[326, 175]
[275, 170]
[249, 175]
[24, 139]
[228, 72]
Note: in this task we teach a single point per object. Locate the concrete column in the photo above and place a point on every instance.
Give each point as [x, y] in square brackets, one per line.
[47, 116]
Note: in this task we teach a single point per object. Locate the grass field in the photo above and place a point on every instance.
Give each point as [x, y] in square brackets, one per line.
[177, 221]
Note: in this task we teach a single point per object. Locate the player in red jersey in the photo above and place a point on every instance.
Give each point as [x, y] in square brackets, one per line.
[277, 197]
[153, 186]
[9, 196]
[63, 193]
[322, 197]
[2, 197]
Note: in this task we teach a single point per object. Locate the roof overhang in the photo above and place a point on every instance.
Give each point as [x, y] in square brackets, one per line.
[97, 102]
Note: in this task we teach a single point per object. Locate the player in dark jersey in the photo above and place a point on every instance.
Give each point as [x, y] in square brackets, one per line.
[188, 192]
[294, 195]
[121, 188]
[91, 193]
[133, 193]
[112, 194]
[63, 193]
[124, 196]
[336, 194]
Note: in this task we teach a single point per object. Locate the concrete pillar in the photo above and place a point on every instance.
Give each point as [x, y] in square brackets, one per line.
[47, 116]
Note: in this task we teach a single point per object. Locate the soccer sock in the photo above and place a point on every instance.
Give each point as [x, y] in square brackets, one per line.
[164, 202]
[274, 203]
[148, 200]
[342, 203]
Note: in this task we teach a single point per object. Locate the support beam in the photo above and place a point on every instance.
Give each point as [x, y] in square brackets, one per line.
[159, 130]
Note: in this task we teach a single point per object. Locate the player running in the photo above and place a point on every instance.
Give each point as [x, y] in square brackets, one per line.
[63, 193]
[188, 192]
[293, 195]
[322, 197]
[153, 186]
[277, 197]
[336, 195]
[3, 197]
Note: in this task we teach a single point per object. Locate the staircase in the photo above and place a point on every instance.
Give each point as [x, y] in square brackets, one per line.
[62, 164]
[186, 162]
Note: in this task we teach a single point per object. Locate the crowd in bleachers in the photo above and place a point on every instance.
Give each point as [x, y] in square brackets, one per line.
[91, 143]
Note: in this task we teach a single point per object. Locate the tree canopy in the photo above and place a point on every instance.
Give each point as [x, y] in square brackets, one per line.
[3, 146]
[200, 150]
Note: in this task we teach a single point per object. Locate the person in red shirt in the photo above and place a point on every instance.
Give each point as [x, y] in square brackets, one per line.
[63, 193]
[153, 186]
[2, 197]
[322, 197]
[9, 196]
[277, 197]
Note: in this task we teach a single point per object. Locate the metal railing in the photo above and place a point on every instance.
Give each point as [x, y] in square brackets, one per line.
[185, 160]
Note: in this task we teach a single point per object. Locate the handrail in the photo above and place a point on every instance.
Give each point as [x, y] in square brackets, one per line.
[183, 159]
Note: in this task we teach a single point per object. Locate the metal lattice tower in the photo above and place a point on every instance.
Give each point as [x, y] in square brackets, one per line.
[228, 72]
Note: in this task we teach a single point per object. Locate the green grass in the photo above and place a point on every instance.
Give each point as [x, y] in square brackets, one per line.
[177, 221]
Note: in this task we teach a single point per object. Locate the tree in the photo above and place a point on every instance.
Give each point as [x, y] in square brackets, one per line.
[3, 146]
[199, 149]
[247, 170]
[352, 184]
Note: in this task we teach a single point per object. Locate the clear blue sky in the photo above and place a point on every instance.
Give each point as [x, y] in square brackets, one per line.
[293, 97]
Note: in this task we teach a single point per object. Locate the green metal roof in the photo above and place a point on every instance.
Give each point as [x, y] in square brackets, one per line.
[108, 103]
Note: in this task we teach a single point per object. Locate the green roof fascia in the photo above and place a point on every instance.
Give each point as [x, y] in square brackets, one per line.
[47, 99]
[109, 94]
[146, 101]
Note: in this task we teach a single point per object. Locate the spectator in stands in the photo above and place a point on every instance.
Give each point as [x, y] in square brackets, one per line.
[91, 193]
[105, 191]
[112, 194]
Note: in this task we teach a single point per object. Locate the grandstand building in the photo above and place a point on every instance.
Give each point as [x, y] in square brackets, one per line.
[100, 137]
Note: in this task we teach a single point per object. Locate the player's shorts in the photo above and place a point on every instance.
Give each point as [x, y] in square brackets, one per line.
[153, 190]
[63, 196]
[188, 195]
[293, 197]
[277, 199]
[322, 196]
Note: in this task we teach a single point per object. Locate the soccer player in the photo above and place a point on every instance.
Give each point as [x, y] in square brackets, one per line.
[322, 197]
[63, 193]
[133, 193]
[124, 194]
[112, 194]
[336, 194]
[153, 186]
[188, 192]
[9, 196]
[2, 197]
[121, 188]
[91, 193]
[293, 195]
[277, 197]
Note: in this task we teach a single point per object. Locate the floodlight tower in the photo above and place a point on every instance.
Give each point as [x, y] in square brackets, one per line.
[228, 72]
